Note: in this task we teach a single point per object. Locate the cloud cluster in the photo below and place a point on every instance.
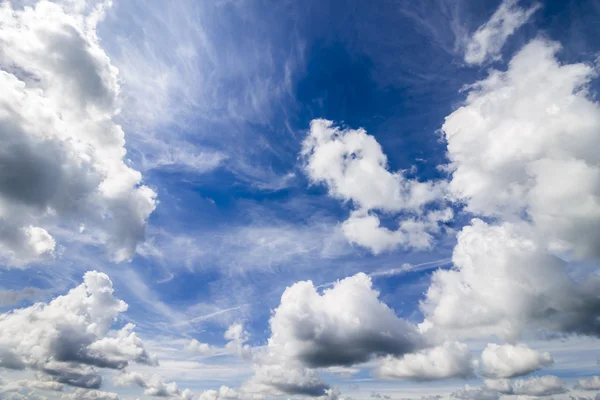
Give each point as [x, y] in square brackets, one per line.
[508, 361]
[514, 148]
[353, 167]
[62, 158]
[514, 284]
[450, 360]
[153, 385]
[70, 338]
[518, 141]
[541, 386]
[592, 383]
[487, 42]
[345, 325]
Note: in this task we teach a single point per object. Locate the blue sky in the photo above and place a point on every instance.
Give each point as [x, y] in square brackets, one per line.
[217, 207]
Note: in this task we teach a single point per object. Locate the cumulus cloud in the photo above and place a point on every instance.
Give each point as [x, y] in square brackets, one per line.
[344, 325]
[62, 158]
[195, 346]
[86, 394]
[69, 338]
[592, 383]
[450, 360]
[518, 141]
[152, 385]
[507, 361]
[353, 167]
[278, 377]
[513, 283]
[237, 338]
[487, 42]
[538, 386]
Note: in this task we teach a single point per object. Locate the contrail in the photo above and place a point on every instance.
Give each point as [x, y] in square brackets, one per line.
[404, 269]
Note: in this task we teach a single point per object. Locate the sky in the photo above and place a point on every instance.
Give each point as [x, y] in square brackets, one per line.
[331, 200]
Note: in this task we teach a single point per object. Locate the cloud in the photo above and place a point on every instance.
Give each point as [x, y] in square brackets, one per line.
[353, 167]
[63, 157]
[153, 385]
[475, 393]
[538, 386]
[450, 360]
[514, 284]
[518, 140]
[285, 377]
[237, 338]
[345, 325]
[508, 361]
[487, 42]
[69, 338]
[195, 346]
[85, 394]
[592, 383]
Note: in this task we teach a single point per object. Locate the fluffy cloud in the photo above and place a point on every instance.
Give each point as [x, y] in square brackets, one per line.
[536, 386]
[507, 361]
[489, 38]
[69, 338]
[153, 385]
[471, 393]
[539, 386]
[195, 346]
[62, 158]
[518, 141]
[285, 377]
[513, 284]
[450, 360]
[237, 338]
[347, 324]
[344, 325]
[354, 168]
[85, 394]
[592, 383]
[224, 392]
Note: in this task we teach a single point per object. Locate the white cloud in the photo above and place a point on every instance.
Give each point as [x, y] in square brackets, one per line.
[518, 141]
[344, 325]
[69, 338]
[539, 386]
[354, 169]
[284, 377]
[62, 156]
[450, 360]
[507, 361]
[487, 42]
[364, 229]
[85, 394]
[592, 383]
[237, 338]
[475, 393]
[503, 283]
[153, 385]
[195, 346]
[227, 393]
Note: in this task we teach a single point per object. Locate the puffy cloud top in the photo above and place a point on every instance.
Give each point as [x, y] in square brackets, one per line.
[62, 158]
[70, 337]
[345, 325]
[507, 361]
